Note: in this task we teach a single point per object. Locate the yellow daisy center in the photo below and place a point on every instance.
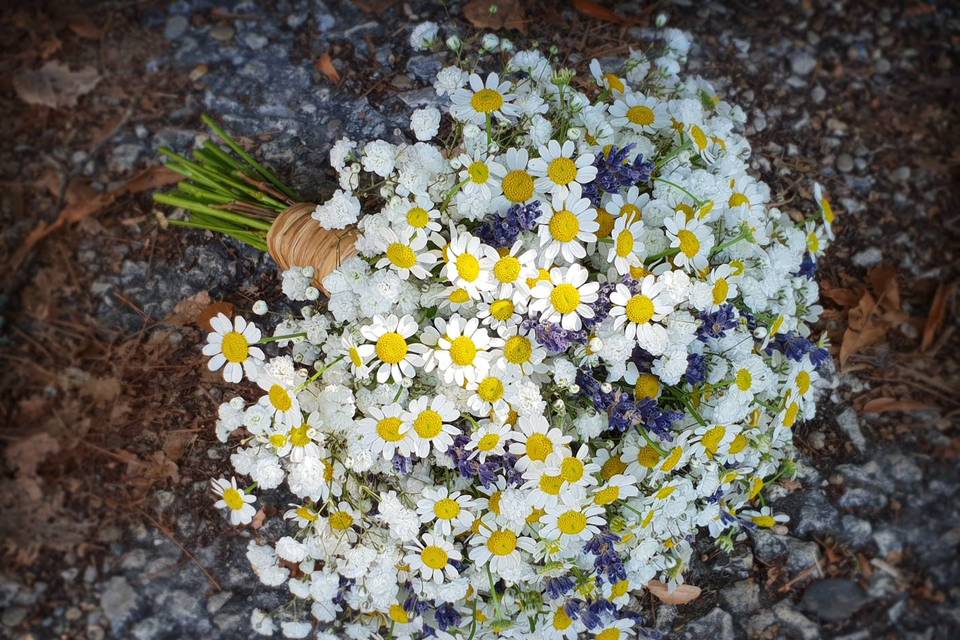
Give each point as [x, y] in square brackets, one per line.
[562, 171]
[486, 101]
[647, 386]
[744, 379]
[615, 83]
[648, 457]
[502, 309]
[434, 557]
[606, 222]
[235, 347]
[689, 243]
[518, 350]
[828, 213]
[613, 466]
[401, 255]
[355, 357]
[446, 509]
[299, 436]
[565, 298]
[738, 199]
[507, 269]
[280, 398]
[739, 444]
[791, 416]
[278, 440]
[428, 424]
[518, 186]
[665, 493]
[571, 469]
[631, 212]
[389, 429]
[418, 217]
[803, 382]
[564, 226]
[399, 615]
[550, 485]
[571, 523]
[306, 514]
[539, 447]
[625, 243]
[672, 460]
[234, 499]
[341, 520]
[468, 267]
[463, 350]
[713, 437]
[813, 242]
[639, 309]
[479, 172]
[488, 442]
[494, 503]
[640, 115]
[502, 543]
[606, 496]
[391, 348]
[490, 389]
[720, 290]
[561, 621]
[459, 296]
[764, 521]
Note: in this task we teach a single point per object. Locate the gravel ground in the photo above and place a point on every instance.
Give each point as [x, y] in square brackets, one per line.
[861, 97]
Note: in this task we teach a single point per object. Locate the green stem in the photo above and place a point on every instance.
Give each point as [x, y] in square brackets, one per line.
[270, 176]
[662, 254]
[651, 441]
[190, 205]
[289, 336]
[697, 200]
[729, 243]
[321, 371]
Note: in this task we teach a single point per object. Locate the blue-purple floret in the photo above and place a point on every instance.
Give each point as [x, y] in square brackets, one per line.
[485, 472]
[625, 412]
[552, 337]
[795, 347]
[447, 616]
[402, 464]
[696, 369]
[502, 230]
[615, 172]
[607, 562]
[715, 324]
[808, 267]
[556, 588]
[591, 614]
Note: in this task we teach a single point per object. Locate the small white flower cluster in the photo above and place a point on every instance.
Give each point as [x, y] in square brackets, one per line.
[571, 340]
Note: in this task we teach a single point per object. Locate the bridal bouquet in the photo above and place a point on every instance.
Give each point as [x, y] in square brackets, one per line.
[571, 335]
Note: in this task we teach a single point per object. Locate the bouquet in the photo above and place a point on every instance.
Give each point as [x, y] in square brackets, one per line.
[569, 334]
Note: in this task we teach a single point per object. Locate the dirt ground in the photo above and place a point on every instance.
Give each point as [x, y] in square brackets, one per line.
[107, 410]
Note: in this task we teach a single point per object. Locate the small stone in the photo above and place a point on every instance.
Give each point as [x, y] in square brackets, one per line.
[255, 41]
[222, 32]
[865, 259]
[767, 546]
[718, 625]
[741, 598]
[13, 616]
[801, 555]
[124, 157]
[176, 26]
[882, 66]
[217, 600]
[857, 499]
[802, 63]
[133, 560]
[813, 514]
[424, 68]
[818, 95]
[118, 601]
[849, 423]
[73, 613]
[856, 531]
[817, 439]
[902, 174]
[845, 162]
[792, 620]
[833, 599]
[887, 542]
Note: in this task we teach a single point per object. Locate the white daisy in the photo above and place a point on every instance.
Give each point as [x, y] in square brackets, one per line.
[639, 113]
[693, 238]
[281, 400]
[572, 517]
[488, 440]
[238, 501]
[639, 314]
[516, 182]
[451, 512]
[479, 175]
[627, 246]
[469, 263]
[488, 393]
[429, 420]
[557, 170]
[396, 355]
[462, 351]
[431, 558]
[566, 297]
[566, 226]
[231, 344]
[520, 354]
[499, 546]
[483, 100]
[406, 254]
[384, 430]
[512, 270]
[536, 440]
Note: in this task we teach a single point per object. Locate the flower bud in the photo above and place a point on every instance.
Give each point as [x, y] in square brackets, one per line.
[260, 307]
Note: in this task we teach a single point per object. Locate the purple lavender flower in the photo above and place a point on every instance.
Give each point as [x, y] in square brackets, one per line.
[615, 172]
[715, 324]
[696, 369]
[502, 230]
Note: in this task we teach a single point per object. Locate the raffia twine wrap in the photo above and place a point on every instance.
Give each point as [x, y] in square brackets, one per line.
[297, 240]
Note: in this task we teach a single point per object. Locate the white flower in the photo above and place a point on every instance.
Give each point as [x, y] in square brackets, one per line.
[425, 123]
[462, 350]
[423, 35]
[693, 240]
[429, 420]
[340, 152]
[558, 170]
[484, 99]
[638, 313]
[231, 344]
[396, 355]
[449, 79]
[236, 500]
[566, 297]
[568, 224]
[431, 558]
[341, 210]
[379, 157]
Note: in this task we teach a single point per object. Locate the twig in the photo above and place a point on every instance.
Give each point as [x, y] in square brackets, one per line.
[162, 529]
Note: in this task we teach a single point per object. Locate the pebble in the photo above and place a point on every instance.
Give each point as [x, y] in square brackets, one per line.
[802, 63]
[882, 66]
[833, 599]
[849, 423]
[819, 94]
[718, 625]
[741, 598]
[862, 500]
[222, 32]
[865, 259]
[176, 26]
[845, 162]
[118, 601]
[856, 531]
[255, 41]
[13, 616]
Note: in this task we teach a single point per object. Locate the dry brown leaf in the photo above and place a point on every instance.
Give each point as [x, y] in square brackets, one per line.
[152, 178]
[258, 519]
[189, 309]
[175, 443]
[938, 313]
[28, 454]
[887, 405]
[600, 12]
[54, 85]
[211, 311]
[883, 279]
[843, 296]
[83, 26]
[324, 65]
[496, 14]
[683, 594]
[102, 390]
